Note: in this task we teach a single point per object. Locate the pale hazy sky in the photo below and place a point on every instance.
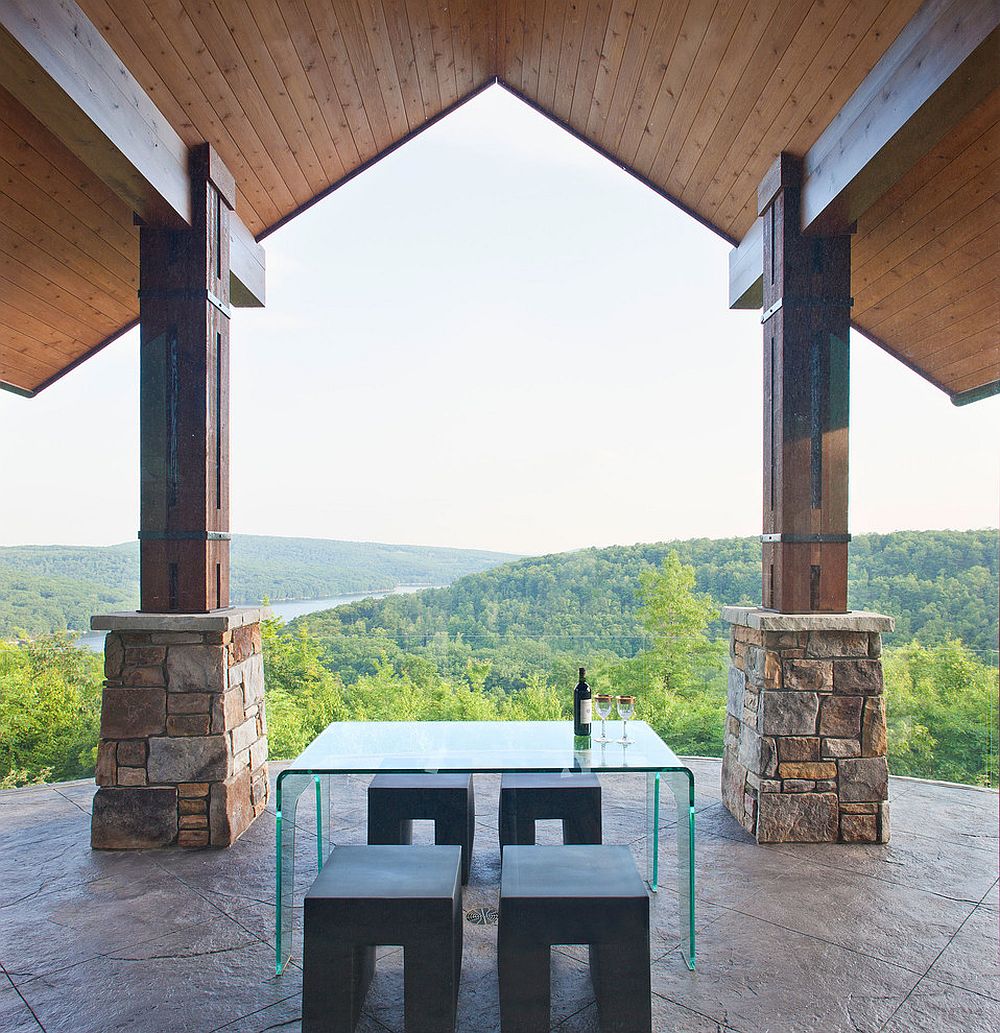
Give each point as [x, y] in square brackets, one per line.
[494, 339]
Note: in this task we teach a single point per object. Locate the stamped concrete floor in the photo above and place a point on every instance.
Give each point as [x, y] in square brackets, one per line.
[900, 939]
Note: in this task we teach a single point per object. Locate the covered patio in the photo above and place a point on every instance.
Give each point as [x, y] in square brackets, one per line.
[899, 938]
[846, 151]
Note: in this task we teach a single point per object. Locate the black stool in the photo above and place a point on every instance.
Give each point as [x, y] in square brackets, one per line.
[573, 894]
[377, 895]
[525, 798]
[394, 801]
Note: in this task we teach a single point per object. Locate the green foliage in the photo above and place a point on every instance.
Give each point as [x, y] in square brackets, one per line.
[54, 587]
[50, 709]
[941, 705]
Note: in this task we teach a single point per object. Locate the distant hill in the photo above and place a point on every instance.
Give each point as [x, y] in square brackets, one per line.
[53, 587]
[937, 584]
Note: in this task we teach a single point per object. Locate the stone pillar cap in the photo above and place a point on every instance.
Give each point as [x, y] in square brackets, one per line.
[759, 619]
[215, 620]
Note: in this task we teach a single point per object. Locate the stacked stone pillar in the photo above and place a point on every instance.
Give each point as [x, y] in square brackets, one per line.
[182, 758]
[805, 745]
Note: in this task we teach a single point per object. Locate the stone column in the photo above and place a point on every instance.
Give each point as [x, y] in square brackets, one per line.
[182, 758]
[805, 746]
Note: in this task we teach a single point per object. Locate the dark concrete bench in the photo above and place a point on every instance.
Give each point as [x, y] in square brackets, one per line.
[573, 894]
[395, 801]
[368, 896]
[573, 797]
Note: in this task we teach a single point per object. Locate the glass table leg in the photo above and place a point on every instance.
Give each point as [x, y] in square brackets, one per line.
[324, 830]
[653, 830]
[289, 788]
[682, 786]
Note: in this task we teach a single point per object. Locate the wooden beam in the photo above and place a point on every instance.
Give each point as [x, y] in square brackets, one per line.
[944, 62]
[59, 66]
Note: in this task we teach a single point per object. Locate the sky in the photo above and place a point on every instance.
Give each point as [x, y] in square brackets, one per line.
[494, 338]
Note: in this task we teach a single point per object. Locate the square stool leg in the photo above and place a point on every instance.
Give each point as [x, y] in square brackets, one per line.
[455, 825]
[335, 982]
[432, 968]
[524, 971]
[621, 978]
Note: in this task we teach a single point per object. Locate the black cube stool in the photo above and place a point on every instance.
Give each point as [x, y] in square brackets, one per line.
[573, 894]
[395, 801]
[525, 798]
[378, 895]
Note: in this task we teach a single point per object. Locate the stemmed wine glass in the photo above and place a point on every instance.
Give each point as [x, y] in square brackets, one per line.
[626, 708]
[603, 704]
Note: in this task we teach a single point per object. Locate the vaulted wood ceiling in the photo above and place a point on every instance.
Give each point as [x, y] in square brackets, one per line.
[696, 97]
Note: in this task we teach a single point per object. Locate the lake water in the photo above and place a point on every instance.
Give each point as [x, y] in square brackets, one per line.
[287, 610]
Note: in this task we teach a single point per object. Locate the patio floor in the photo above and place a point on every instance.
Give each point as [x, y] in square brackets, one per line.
[901, 938]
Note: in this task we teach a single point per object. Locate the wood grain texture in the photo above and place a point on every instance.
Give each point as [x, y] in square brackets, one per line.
[696, 97]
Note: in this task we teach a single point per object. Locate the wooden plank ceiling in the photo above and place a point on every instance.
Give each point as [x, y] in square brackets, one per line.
[696, 97]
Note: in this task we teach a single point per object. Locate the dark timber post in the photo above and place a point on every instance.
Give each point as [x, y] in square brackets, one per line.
[807, 306]
[184, 400]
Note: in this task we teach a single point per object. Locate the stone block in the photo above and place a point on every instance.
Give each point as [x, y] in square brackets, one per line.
[797, 818]
[176, 638]
[826, 785]
[797, 748]
[258, 755]
[813, 675]
[131, 776]
[883, 822]
[789, 713]
[859, 808]
[130, 713]
[840, 717]
[195, 806]
[734, 777]
[770, 785]
[858, 677]
[874, 738]
[256, 638]
[798, 785]
[874, 644]
[782, 640]
[835, 749]
[241, 646]
[192, 837]
[245, 735]
[863, 779]
[192, 821]
[736, 688]
[230, 808]
[133, 818]
[234, 677]
[732, 727]
[858, 828]
[763, 667]
[192, 789]
[143, 677]
[189, 702]
[756, 753]
[106, 771]
[833, 644]
[262, 720]
[253, 680]
[132, 753]
[114, 655]
[232, 708]
[196, 668]
[145, 656]
[194, 758]
[188, 724]
[814, 770]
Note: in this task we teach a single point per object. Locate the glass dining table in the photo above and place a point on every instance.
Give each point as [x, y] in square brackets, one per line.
[406, 747]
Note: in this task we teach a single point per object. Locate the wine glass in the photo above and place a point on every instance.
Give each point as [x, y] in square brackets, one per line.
[603, 704]
[626, 708]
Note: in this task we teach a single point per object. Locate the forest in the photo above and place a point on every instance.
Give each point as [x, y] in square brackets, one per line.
[505, 644]
[52, 588]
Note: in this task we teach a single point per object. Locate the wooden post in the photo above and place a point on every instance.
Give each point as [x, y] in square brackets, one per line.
[807, 306]
[184, 400]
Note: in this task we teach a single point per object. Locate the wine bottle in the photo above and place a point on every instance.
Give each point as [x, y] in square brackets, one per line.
[581, 707]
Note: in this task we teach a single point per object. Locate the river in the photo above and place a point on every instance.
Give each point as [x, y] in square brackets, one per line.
[287, 610]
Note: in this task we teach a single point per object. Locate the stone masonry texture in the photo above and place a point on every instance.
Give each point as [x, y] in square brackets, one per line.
[182, 759]
[805, 745]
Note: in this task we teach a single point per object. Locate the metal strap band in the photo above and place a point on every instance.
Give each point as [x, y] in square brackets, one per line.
[810, 300]
[807, 539]
[184, 536]
[186, 294]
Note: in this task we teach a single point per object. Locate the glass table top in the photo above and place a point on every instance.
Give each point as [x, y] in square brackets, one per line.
[406, 746]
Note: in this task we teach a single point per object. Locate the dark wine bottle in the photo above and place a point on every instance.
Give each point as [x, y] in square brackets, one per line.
[581, 707]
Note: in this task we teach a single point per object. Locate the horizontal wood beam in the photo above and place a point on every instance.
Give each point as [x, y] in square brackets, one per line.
[944, 62]
[59, 66]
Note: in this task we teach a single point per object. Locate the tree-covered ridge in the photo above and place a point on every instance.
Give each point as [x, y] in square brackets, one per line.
[54, 587]
[939, 585]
